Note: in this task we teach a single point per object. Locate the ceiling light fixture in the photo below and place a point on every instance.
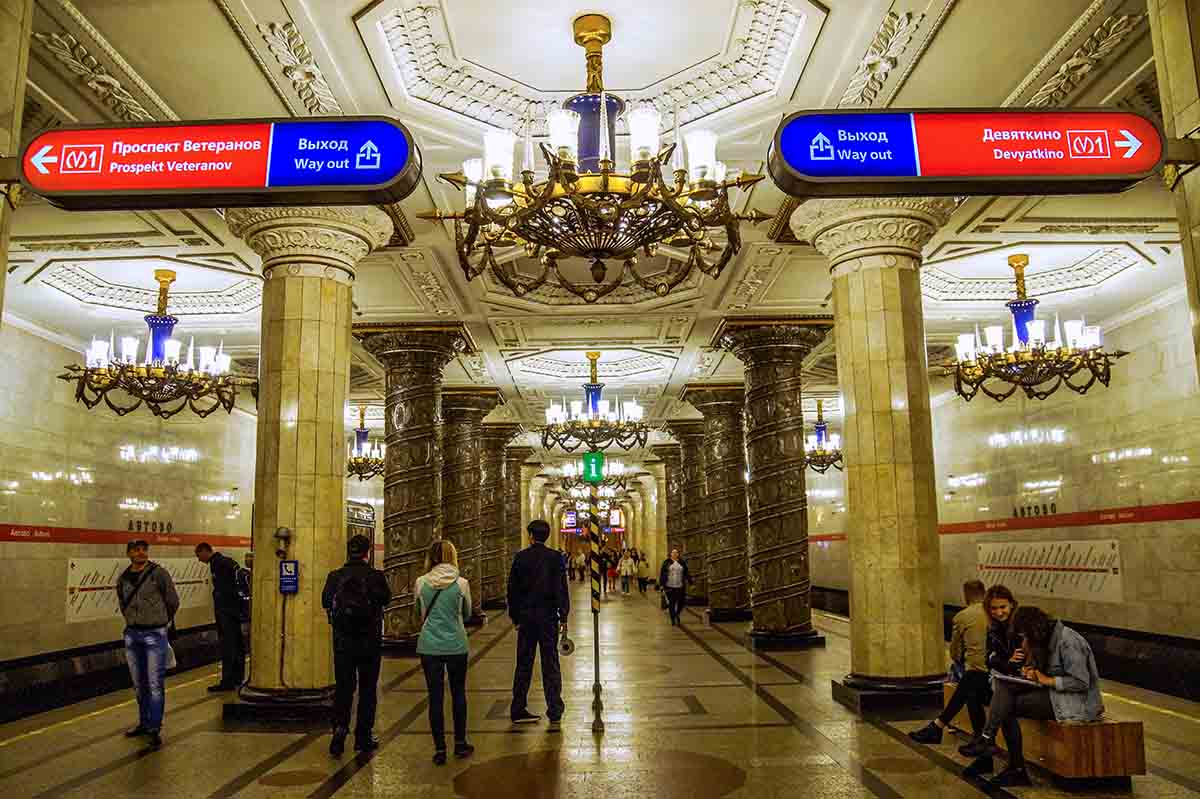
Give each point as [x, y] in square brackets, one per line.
[366, 458]
[615, 474]
[587, 209]
[165, 381]
[594, 422]
[1031, 363]
[822, 450]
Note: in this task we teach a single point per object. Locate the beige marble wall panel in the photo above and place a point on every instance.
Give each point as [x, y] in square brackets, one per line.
[67, 467]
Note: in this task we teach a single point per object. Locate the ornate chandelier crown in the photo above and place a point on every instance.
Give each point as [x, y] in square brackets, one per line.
[822, 449]
[1031, 363]
[366, 458]
[587, 209]
[164, 381]
[593, 422]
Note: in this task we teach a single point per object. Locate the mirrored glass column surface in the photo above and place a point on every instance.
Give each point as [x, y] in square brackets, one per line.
[725, 488]
[414, 357]
[493, 512]
[308, 261]
[693, 508]
[874, 248]
[780, 588]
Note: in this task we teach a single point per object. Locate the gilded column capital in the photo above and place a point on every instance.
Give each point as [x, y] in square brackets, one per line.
[519, 454]
[469, 405]
[405, 346]
[850, 229]
[755, 340]
[311, 241]
[714, 398]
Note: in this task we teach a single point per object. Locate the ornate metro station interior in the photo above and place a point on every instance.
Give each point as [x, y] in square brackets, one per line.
[852, 303]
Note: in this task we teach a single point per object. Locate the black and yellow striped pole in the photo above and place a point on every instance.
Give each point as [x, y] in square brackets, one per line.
[594, 568]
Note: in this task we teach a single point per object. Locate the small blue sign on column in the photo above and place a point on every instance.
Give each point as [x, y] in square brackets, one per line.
[289, 576]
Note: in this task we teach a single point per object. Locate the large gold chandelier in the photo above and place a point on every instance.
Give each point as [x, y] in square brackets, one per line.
[585, 208]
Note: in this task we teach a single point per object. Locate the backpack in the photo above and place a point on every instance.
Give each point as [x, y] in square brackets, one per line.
[353, 610]
[241, 584]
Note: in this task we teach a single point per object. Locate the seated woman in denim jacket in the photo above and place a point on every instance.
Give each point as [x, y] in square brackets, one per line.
[1069, 691]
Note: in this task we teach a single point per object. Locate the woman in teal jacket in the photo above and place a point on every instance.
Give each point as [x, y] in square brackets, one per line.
[443, 599]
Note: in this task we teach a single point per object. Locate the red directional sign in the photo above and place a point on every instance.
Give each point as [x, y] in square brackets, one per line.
[865, 153]
[197, 164]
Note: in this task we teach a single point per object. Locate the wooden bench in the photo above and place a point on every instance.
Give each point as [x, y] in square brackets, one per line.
[1096, 750]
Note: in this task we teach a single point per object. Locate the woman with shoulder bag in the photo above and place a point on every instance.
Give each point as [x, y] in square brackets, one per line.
[443, 599]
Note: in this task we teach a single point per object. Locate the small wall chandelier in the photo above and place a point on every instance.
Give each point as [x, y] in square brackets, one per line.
[615, 476]
[593, 422]
[366, 458]
[1031, 363]
[164, 381]
[822, 449]
[585, 208]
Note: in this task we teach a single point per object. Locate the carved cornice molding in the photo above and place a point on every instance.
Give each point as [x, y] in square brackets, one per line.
[94, 76]
[403, 347]
[761, 38]
[882, 56]
[754, 341]
[854, 228]
[290, 50]
[469, 405]
[325, 241]
[78, 283]
[717, 399]
[1092, 270]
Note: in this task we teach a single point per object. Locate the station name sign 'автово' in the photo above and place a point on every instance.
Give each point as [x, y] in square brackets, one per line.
[349, 160]
[896, 153]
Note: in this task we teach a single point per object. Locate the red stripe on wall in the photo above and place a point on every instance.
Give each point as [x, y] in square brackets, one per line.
[37, 534]
[1140, 514]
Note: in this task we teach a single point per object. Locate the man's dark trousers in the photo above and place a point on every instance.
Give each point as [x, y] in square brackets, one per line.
[974, 691]
[538, 631]
[356, 665]
[233, 650]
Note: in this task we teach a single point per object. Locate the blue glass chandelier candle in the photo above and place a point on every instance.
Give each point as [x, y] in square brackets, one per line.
[165, 381]
[822, 450]
[1030, 362]
[366, 458]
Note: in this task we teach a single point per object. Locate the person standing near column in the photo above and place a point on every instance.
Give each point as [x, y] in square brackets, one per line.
[354, 597]
[674, 578]
[227, 610]
[538, 602]
[444, 602]
[148, 601]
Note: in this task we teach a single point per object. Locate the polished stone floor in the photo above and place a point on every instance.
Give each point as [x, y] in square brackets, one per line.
[690, 714]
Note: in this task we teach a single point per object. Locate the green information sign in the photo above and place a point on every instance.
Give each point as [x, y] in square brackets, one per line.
[593, 467]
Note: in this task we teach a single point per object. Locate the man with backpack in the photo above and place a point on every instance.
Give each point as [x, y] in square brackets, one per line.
[148, 601]
[228, 583]
[354, 597]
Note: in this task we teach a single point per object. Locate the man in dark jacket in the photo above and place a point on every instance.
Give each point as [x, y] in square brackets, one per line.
[354, 597]
[538, 603]
[227, 608]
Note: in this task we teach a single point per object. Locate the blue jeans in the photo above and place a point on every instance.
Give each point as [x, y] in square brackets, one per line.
[146, 653]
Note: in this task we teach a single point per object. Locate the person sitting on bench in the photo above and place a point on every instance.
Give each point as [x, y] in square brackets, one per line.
[968, 651]
[1065, 686]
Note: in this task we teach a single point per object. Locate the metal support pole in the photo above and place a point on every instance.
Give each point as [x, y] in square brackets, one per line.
[594, 568]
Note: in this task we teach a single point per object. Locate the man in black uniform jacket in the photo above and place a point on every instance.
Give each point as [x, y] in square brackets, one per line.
[227, 608]
[355, 596]
[538, 603]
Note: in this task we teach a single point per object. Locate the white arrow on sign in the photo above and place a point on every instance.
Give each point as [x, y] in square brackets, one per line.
[1131, 142]
[42, 157]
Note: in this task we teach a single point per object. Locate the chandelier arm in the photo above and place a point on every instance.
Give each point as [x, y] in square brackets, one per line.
[508, 276]
[998, 396]
[1081, 388]
[591, 294]
[675, 275]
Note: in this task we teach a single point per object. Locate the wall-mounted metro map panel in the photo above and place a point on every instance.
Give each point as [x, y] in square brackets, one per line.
[92, 582]
[1089, 570]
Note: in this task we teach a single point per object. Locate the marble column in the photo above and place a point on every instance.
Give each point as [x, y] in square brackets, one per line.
[725, 523]
[414, 357]
[1175, 30]
[897, 649]
[493, 518]
[529, 501]
[308, 260]
[693, 507]
[463, 410]
[671, 494]
[516, 486]
[777, 507]
[16, 21]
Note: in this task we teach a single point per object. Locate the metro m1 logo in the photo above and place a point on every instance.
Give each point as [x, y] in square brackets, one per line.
[82, 159]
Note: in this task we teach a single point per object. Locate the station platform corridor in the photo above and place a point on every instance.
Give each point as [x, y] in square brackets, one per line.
[690, 713]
